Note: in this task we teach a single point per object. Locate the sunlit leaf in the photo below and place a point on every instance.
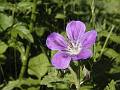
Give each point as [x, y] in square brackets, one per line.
[24, 6]
[38, 65]
[51, 78]
[111, 86]
[111, 53]
[60, 16]
[6, 6]
[17, 83]
[86, 87]
[11, 85]
[5, 21]
[69, 78]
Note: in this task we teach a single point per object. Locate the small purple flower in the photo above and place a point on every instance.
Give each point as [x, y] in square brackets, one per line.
[75, 47]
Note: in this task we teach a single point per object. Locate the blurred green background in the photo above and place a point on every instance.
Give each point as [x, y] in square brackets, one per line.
[25, 59]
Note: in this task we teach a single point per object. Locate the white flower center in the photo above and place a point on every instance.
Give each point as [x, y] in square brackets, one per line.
[74, 48]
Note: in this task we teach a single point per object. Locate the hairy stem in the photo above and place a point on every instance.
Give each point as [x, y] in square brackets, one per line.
[75, 78]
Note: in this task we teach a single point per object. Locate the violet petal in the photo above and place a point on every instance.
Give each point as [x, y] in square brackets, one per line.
[56, 41]
[89, 38]
[84, 54]
[61, 60]
[75, 29]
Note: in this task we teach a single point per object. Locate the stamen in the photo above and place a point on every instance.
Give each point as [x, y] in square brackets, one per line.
[74, 48]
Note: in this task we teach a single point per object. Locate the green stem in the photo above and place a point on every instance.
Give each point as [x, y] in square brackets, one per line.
[93, 23]
[15, 63]
[102, 50]
[79, 72]
[25, 57]
[93, 13]
[75, 78]
[3, 73]
[24, 62]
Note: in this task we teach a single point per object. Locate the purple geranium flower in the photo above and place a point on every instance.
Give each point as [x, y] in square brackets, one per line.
[75, 47]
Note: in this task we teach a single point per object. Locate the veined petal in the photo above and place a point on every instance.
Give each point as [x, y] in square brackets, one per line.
[75, 29]
[56, 41]
[89, 38]
[84, 54]
[61, 60]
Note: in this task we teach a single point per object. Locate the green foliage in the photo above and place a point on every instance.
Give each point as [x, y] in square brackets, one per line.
[60, 16]
[22, 31]
[5, 22]
[115, 6]
[24, 6]
[115, 38]
[18, 83]
[87, 87]
[23, 48]
[111, 86]
[51, 78]
[3, 47]
[112, 53]
[38, 65]
[6, 6]
[40, 31]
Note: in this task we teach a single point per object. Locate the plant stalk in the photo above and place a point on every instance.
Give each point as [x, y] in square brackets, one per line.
[75, 78]
[3, 73]
[102, 50]
[24, 62]
[25, 57]
[33, 15]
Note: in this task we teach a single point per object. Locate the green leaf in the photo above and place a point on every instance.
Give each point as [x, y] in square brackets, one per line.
[24, 6]
[115, 6]
[5, 21]
[38, 65]
[17, 83]
[111, 86]
[40, 31]
[3, 47]
[60, 16]
[17, 45]
[69, 78]
[62, 86]
[115, 69]
[11, 85]
[22, 31]
[86, 87]
[33, 88]
[2, 58]
[113, 36]
[111, 53]
[51, 78]
[6, 6]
